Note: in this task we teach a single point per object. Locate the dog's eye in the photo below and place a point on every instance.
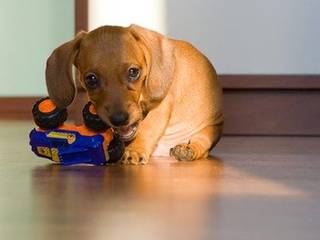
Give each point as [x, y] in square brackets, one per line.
[92, 81]
[133, 73]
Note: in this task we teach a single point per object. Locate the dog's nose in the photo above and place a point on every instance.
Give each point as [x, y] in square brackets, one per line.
[119, 118]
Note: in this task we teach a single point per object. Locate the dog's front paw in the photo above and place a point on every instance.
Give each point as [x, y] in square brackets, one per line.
[183, 152]
[134, 157]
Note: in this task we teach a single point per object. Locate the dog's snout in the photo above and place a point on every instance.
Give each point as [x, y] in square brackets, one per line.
[119, 118]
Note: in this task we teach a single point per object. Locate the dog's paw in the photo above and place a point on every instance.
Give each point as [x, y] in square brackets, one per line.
[183, 152]
[134, 157]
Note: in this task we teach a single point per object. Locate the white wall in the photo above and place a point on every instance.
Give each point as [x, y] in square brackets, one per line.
[239, 36]
[148, 13]
[30, 30]
[251, 36]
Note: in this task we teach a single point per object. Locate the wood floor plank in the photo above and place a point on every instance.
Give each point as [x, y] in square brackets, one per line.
[250, 188]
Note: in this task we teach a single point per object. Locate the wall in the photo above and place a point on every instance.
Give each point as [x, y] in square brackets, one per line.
[247, 36]
[251, 36]
[30, 30]
[148, 13]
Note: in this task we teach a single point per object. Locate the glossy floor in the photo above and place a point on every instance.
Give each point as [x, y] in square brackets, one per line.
[252, 188]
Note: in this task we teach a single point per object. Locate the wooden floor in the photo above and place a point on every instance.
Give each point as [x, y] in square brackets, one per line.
[252, 188]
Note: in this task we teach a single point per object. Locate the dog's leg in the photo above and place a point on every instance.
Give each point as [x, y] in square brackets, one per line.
[149, 132]
[199, 144]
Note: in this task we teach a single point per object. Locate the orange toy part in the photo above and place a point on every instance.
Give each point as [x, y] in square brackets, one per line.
[92, 109]
[83, 130]
[47, 106]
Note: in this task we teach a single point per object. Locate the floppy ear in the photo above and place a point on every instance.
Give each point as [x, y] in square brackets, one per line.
[160, 60]
[60, 83]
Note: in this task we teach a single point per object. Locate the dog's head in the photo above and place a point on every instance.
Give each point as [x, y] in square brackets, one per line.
[126, 72]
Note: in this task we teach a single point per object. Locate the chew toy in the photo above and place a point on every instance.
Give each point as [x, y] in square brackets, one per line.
[66, 144]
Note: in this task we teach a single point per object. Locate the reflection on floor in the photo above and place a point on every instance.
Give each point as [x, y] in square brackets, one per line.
[251, 188]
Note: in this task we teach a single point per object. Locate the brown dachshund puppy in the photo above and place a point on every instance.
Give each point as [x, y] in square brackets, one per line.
[161, 95]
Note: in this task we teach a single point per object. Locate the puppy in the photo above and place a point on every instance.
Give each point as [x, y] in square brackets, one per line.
[161, 95]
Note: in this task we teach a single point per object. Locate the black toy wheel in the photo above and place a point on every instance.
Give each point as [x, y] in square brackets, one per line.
[92, 120]
[115, 149]
[46, 115]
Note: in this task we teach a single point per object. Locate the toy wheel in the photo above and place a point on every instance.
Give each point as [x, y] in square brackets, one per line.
[92, 120]
[46, 115]
[115, 149]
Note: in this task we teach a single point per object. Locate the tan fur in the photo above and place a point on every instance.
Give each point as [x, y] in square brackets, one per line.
[177, 99]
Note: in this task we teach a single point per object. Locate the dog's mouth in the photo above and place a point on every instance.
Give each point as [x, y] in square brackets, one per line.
[127, 133]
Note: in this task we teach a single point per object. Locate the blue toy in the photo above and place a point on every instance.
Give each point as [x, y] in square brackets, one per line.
[91, 143]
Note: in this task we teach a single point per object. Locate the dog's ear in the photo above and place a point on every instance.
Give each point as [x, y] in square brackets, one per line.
[160, 60]
[59, 79]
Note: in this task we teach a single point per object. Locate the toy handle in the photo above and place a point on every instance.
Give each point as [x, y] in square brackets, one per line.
[46, 114]
[92, 120]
